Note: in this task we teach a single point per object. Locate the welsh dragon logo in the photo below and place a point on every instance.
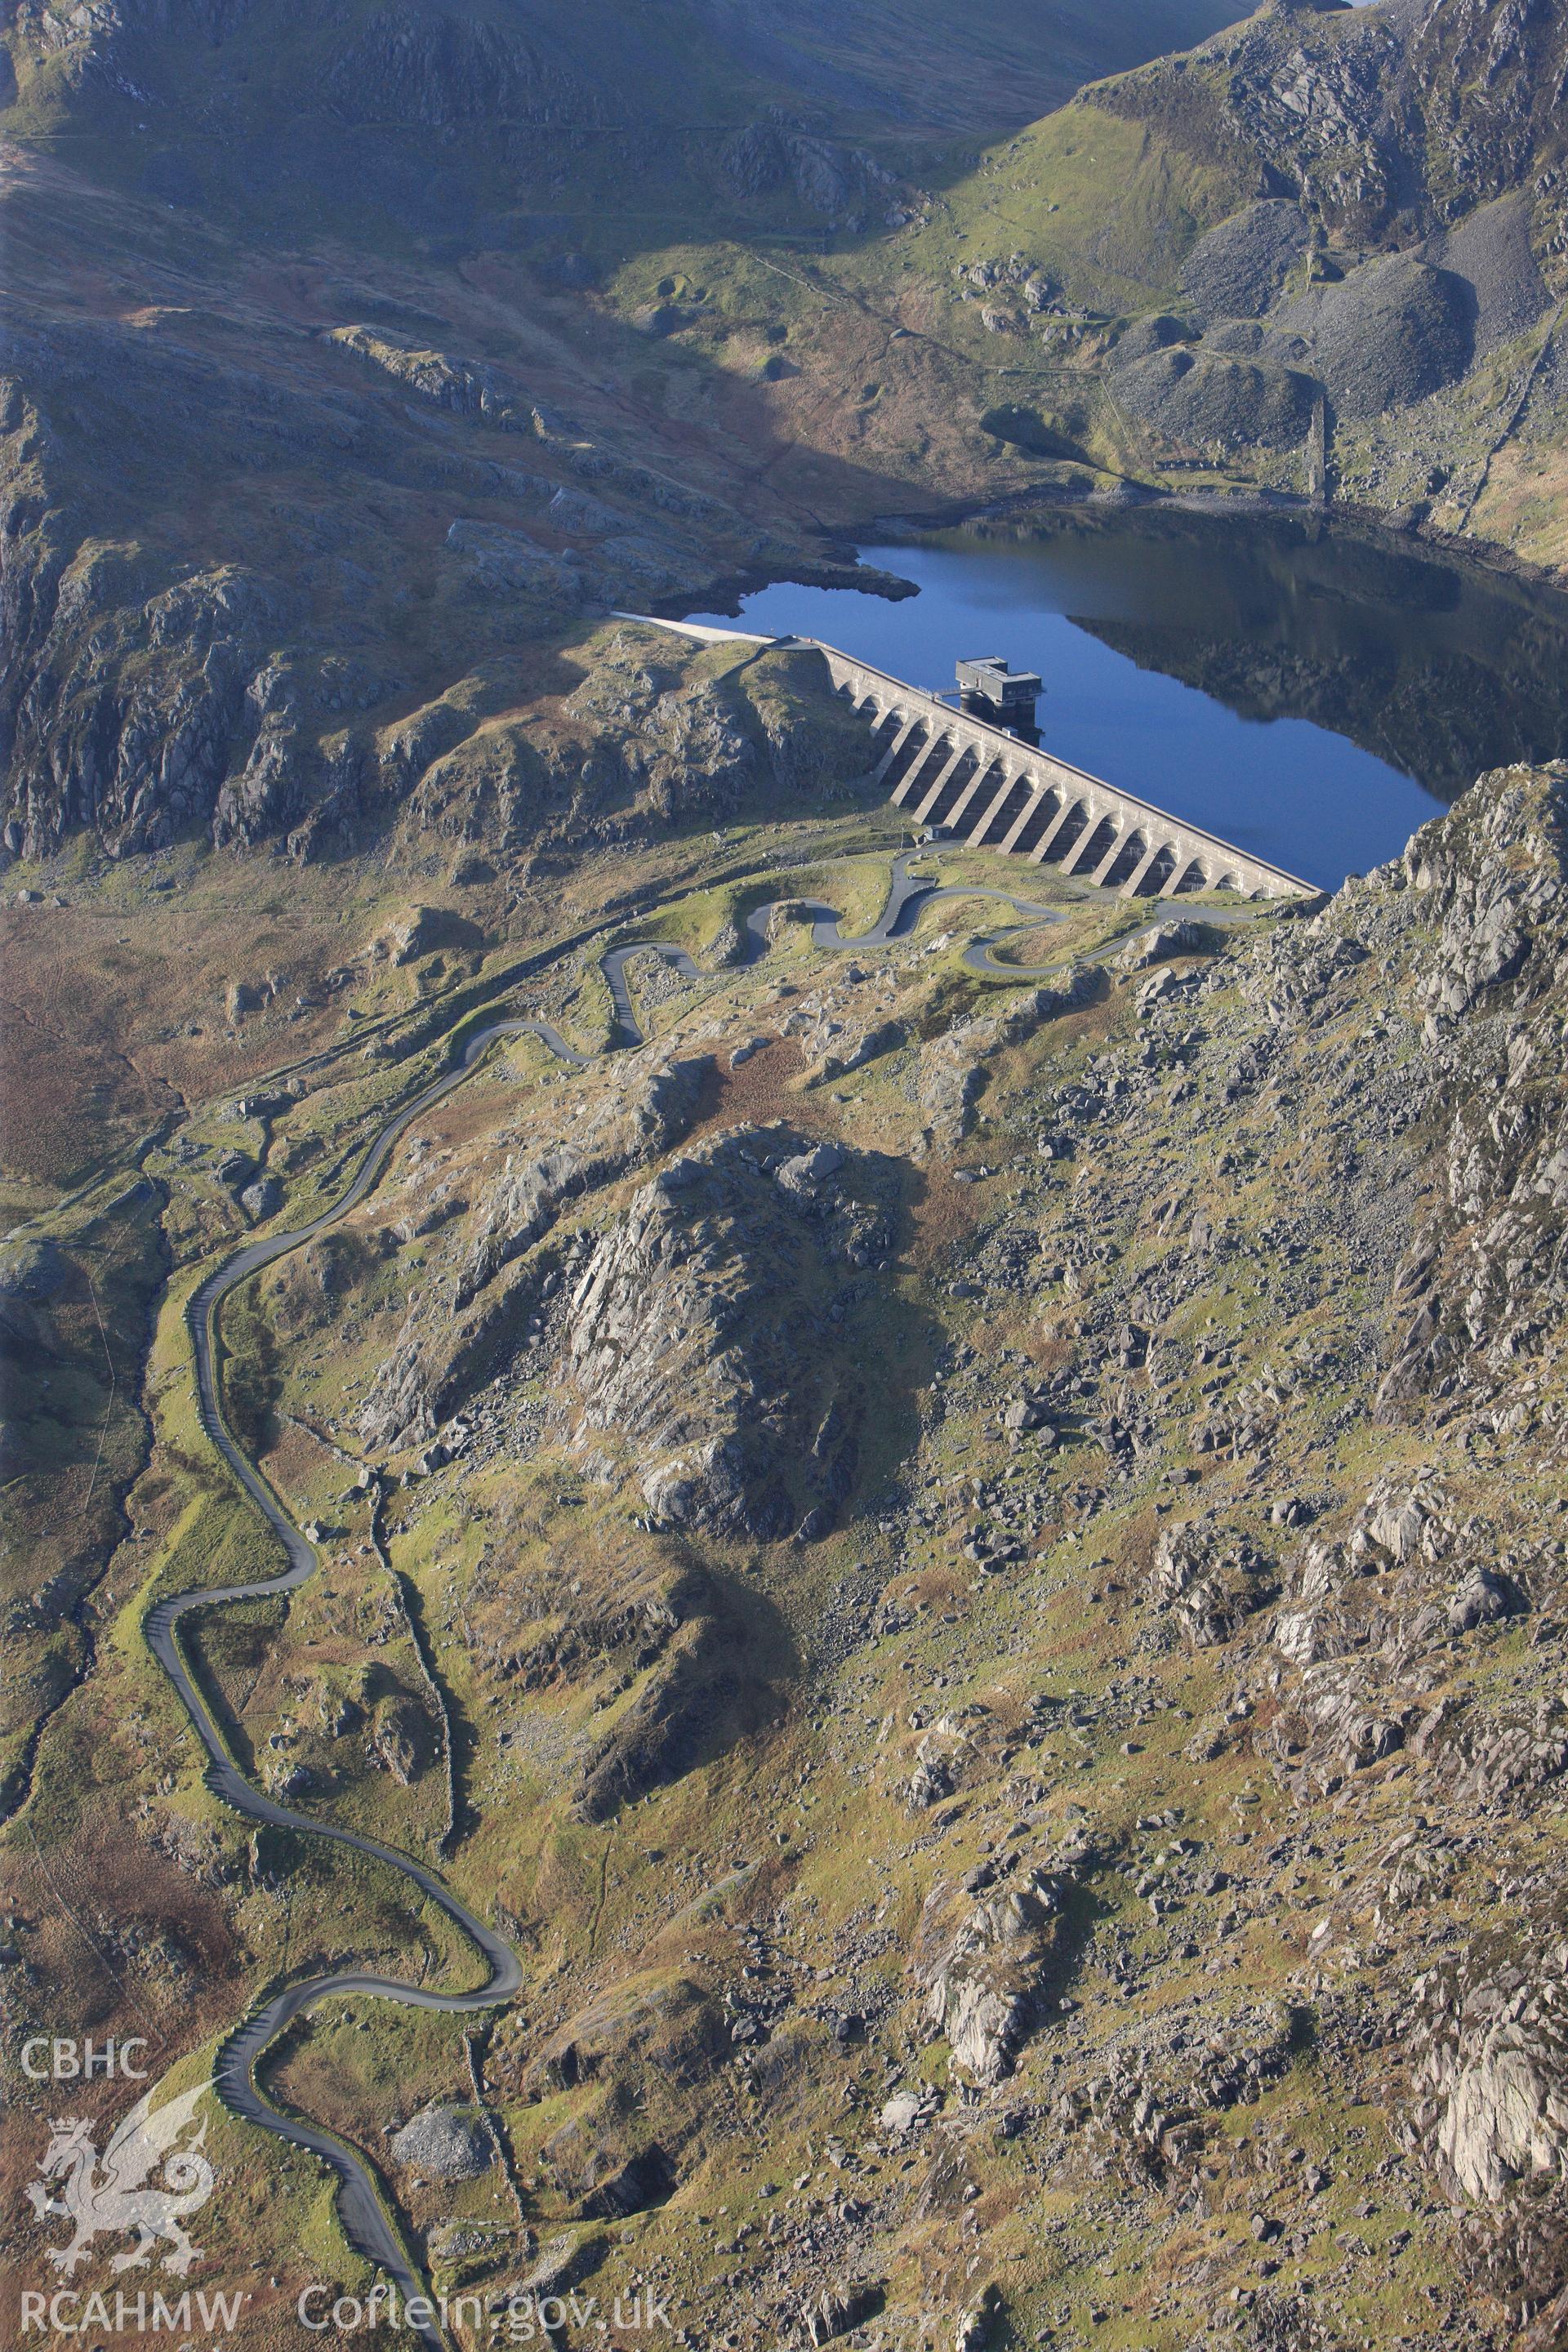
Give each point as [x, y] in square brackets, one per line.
[112, 2195]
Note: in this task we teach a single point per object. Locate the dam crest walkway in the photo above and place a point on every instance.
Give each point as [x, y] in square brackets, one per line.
[961, 776]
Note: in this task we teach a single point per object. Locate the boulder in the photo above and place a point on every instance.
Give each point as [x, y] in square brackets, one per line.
[1481, 1600]
[838, 2309]
[444, 2142]
[906, 2111]
[1160, 942]
[982, 1969]
[809, 1171]
[260, 1200]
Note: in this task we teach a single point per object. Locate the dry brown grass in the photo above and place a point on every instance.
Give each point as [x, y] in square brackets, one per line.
[760, 1091]
[943, 1213]
[97, 1011]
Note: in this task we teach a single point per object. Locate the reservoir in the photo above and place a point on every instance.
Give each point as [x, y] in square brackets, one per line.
[1312, 695]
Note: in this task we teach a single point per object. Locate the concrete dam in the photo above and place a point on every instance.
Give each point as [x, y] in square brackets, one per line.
[981, 784]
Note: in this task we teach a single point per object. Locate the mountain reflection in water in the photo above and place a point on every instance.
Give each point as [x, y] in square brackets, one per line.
[1310, 693]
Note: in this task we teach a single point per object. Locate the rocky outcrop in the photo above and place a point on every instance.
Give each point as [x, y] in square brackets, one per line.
[696, 1335]
[151, 689]
[127, 705]
[952, 1068]
[702, 1683]
[1393, 221]
[840, 184]
[427, 1373]
[1485, 1272]
[1491, 2086]
[839, 2310]
[1358, 119]
[402, 1738]
[983, 1965]
[444, 2142]
[1208, 1578]
[668, 2021]
[464, 387]
[645, 741]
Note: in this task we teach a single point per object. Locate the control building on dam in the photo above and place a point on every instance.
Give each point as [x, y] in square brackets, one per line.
[993, 789]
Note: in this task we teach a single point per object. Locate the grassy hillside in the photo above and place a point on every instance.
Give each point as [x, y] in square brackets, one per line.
[1320, 255]
[1001, 1675]
[497, 121]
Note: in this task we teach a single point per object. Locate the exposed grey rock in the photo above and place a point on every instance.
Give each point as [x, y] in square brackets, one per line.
[1164, 940]
[1481, 1600]
[31, 1272]
[835, 182]
[1492, 2087]
[809, 1171]
[423, 1377]
[982, 1969]
[472, 388]
[906, 2111]
[952, 1068]
[1390, 332]
[1210, 1578]
[444, 2142]
[1235, 269]
[242, 996]
[505, 560]
[838, 2310]
[414, 934]
[976, 2324]
[687, 1334]
[936, 1758]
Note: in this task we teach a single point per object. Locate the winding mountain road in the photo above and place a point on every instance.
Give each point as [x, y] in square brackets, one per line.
[364, 2211]
[909, 895]
[366, 2220]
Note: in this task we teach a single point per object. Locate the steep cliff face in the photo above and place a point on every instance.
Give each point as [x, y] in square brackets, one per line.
[1407, 245]
[707, 1332]
[306, 541]
[1324, 253]
[1381, 122]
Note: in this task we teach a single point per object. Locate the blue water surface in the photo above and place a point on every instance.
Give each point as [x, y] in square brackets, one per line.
[1288, 788]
